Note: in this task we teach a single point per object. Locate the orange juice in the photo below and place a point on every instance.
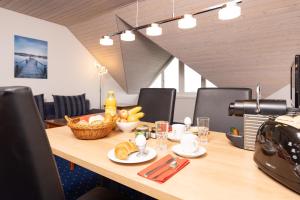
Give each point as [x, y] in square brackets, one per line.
[111, 103]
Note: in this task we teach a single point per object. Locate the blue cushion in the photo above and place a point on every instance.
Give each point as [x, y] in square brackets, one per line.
[39, 100]
[69, 105]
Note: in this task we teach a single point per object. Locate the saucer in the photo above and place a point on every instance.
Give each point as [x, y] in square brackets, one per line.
[177, 149]
[173, 138]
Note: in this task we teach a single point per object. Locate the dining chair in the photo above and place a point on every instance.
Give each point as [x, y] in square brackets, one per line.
[214, 103]
[157, 104]
[27, 169]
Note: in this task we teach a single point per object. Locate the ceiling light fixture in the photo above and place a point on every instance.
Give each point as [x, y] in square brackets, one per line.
[154, 30]
[230, 11]
[227, 10]
[128, 36]
[106, 41]
[187, 22]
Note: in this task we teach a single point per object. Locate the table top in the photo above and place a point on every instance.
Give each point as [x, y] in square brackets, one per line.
[225, 172]
[57, 122]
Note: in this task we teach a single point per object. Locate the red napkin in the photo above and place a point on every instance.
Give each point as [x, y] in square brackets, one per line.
[181, 163]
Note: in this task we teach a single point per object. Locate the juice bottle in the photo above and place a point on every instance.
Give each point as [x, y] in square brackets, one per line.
[111, 103]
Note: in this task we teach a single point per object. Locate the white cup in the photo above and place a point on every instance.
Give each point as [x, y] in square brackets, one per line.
[178, 130]
[189, 143]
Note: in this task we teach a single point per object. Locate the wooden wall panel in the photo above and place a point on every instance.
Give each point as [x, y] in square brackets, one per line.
[65, 12]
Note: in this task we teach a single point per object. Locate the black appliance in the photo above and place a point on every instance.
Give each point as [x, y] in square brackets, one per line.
[277, 150]
[295, 82]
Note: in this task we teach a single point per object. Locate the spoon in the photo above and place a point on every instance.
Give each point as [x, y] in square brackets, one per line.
[172, 165]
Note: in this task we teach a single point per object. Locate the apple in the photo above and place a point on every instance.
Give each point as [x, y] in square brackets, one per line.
[123, 114]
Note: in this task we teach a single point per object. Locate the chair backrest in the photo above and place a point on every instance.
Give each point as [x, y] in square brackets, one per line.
[157, 103]
[27, 169]
[214, 103]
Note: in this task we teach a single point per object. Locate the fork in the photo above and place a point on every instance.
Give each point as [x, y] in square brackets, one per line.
[160, 166]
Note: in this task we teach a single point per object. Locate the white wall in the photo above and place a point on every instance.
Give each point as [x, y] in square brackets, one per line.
[184, 107]
[283, 93]
[71, 68]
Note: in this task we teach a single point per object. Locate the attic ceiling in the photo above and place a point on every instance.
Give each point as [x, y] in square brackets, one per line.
[257, 47]
[64, 12]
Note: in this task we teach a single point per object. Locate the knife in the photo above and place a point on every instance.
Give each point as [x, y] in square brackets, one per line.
[158, 167]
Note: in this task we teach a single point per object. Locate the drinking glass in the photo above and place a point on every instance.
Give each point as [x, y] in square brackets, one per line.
[203, 129]
[162, 129]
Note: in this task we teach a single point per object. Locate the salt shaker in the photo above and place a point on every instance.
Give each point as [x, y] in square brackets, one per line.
[187, 122]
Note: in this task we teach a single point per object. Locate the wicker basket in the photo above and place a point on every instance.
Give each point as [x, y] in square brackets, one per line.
[89, 132]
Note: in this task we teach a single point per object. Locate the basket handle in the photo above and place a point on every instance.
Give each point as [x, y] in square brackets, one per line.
[68, 119]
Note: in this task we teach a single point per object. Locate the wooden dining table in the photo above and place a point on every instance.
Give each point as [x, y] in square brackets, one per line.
[224, 172]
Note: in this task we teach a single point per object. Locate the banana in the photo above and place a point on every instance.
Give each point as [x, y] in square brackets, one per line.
[140, 115]
[132, 118]
[134, 110]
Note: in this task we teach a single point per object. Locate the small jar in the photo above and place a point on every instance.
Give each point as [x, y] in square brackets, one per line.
[143, 130]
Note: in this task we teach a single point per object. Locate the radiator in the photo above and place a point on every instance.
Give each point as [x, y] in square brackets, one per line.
[251, 125]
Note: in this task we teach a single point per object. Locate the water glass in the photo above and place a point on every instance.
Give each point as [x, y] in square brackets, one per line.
[203, 129]
[162, 129]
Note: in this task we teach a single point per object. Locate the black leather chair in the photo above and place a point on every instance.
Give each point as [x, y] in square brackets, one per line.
[214, 103]
[157, 103]
[27, 169]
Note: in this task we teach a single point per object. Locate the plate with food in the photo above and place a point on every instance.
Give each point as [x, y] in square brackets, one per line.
[127, 153]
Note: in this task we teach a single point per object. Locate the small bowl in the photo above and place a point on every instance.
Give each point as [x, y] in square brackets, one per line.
[236, 140]
[127, 126]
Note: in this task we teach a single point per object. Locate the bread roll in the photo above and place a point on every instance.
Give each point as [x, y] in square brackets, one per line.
[124, 149]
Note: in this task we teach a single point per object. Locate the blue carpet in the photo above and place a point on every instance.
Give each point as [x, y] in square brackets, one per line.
[80, 180]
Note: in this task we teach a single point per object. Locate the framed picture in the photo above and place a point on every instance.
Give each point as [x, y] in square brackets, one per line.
[31, 60]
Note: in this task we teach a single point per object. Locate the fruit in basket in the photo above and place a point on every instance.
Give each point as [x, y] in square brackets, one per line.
[124, 149]
[132, 115]
[134, 110]
[123, 114]
[234, 131]
[135, 117]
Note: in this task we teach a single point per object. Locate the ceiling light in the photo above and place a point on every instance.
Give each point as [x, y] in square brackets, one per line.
[230, 11]
[154, 30]
[187, 22]
[127, 36]
[106, 41]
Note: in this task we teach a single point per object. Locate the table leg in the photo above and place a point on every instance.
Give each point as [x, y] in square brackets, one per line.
[72, 166]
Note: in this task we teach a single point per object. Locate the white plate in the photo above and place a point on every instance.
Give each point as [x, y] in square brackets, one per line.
[133, 158]
[178, 150]
[172, 137]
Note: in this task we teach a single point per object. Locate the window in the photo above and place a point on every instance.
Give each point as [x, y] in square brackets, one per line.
[171, 75]
[157, 83]
[210, 84]
[192, 79]
[181, 77]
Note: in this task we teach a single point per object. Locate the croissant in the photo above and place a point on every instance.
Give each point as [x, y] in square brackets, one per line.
[124, 149]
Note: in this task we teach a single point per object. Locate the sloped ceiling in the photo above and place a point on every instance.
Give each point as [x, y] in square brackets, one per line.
[65, 12]
[142, 69]
[256, 48]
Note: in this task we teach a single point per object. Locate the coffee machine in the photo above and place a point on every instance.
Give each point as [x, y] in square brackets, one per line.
[276, 139]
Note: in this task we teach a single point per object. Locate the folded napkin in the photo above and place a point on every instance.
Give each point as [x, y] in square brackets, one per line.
[168, 172]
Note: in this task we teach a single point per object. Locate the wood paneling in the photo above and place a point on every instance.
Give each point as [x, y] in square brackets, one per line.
[65, 12]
